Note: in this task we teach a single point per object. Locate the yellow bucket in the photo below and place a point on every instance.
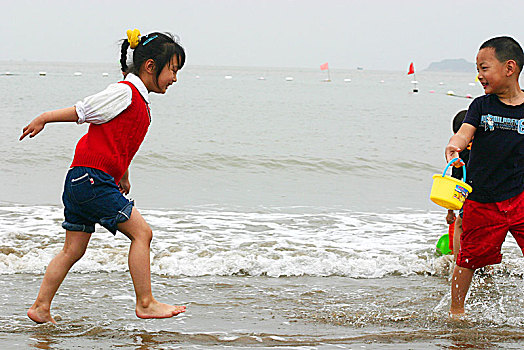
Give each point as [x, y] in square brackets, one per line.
[449, 192]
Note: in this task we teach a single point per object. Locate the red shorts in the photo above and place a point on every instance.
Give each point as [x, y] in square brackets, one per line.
[485, 228]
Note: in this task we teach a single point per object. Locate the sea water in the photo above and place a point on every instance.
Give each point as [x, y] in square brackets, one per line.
[290, 213]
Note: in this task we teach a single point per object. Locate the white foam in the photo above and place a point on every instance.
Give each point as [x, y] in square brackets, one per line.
[200, 242]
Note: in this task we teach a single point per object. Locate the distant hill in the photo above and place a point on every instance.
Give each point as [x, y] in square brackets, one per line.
[452, 65]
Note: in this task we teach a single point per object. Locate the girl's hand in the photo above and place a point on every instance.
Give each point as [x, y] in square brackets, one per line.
[124, 186]
[34, 127]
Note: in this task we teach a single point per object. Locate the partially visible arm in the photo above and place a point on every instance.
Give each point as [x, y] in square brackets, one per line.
[450, 218]
[459, 142]
[60, 115]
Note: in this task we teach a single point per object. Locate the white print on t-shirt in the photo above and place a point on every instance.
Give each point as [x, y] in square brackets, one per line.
[492, 122]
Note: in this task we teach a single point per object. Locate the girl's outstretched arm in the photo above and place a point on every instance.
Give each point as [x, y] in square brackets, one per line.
[60, 115]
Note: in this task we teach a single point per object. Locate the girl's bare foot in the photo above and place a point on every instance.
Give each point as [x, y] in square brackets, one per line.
[40, 315]
[158, 310]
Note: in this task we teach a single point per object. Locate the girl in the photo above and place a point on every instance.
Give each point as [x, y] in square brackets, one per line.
[119, 118]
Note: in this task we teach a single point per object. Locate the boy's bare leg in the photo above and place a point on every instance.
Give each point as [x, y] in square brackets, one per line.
[74, 248]
[139, 232]
[460, 283]
[456, 237]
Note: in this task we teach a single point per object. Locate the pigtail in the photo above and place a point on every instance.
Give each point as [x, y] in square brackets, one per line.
[123, 55]
[126, 57]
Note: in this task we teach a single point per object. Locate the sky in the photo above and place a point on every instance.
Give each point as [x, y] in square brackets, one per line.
[374, 34]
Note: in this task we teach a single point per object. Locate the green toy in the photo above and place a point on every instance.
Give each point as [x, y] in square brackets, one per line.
[443, 245]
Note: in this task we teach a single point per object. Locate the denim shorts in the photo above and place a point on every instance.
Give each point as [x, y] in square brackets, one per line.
[91, 197]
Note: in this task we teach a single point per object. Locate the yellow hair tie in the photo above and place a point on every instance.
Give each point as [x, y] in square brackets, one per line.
[133, 36]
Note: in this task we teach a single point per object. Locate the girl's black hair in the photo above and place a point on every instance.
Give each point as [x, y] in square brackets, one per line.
[506, 48]
[123, 56]
[160, 47]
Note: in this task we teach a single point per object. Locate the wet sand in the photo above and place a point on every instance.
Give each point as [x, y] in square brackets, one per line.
[96, 311]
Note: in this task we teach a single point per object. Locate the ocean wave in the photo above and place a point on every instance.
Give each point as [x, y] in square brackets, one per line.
[292, 163]
[271, 242]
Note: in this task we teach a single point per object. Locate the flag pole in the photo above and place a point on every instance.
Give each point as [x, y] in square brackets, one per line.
[325, 66]
[412, 71]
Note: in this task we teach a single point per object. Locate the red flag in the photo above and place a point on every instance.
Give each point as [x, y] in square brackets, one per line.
[324, 66]
[411, 69]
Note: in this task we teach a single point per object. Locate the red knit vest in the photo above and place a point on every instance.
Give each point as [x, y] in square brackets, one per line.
[111, 146]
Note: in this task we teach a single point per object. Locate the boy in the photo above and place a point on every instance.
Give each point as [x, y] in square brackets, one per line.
[496, 164]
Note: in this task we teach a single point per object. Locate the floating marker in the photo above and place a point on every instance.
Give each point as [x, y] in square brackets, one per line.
[441, 83]
[105, 74]
[77, 74]
[469, 96]
[382, 81]
[42, 73]
[8, 73]
[228, 77]
[472, 84]
[197, 77]
[414, 82]
[431, 91]
[289, 78]
[347, 80]
[261, 78]
[451, 92]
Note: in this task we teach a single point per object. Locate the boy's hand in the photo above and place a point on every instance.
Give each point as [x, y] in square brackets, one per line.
[451, 152]
[34, 127]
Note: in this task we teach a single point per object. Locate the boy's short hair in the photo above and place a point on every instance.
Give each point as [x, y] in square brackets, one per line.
[506, 48]
[457, 121]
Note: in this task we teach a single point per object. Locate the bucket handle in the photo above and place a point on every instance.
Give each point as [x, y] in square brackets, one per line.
[463, 168]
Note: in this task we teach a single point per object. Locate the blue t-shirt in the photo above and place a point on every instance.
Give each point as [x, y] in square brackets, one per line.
[496, 162]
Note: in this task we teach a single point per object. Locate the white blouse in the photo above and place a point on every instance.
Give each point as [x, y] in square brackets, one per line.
[105, 105]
